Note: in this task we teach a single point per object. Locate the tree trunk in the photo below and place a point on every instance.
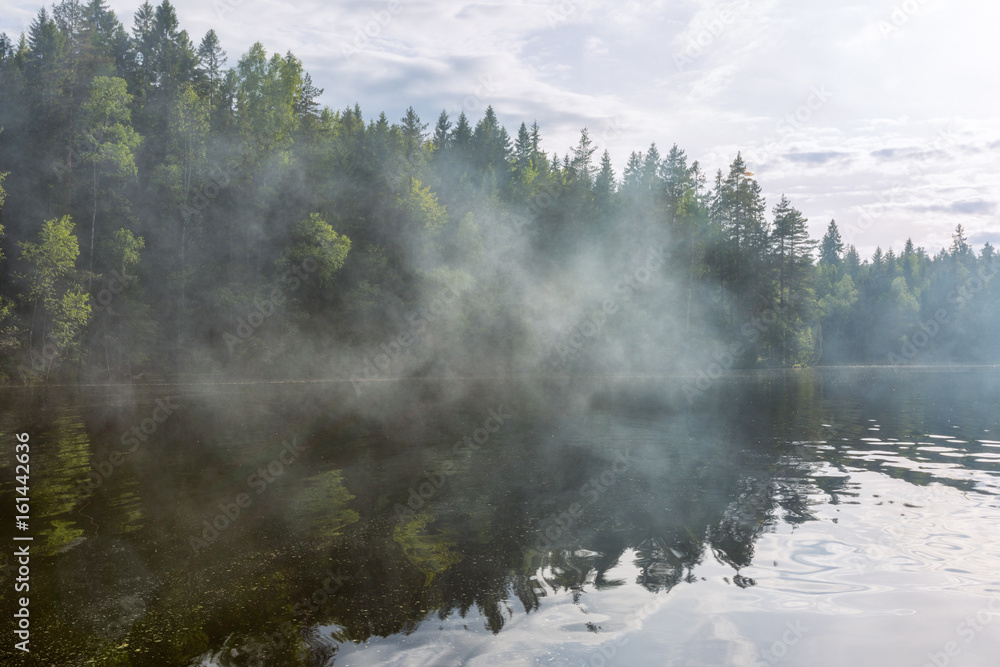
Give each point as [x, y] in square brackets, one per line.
[107, 354]
[687, 322]
[93, 230]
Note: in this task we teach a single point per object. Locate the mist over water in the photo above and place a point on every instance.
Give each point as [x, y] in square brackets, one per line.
[783, 513]
[304, 385]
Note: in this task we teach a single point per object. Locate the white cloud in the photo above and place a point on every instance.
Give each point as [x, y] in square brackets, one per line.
[575, 63]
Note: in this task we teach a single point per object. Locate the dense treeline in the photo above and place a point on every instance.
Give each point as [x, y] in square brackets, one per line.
[165, 212]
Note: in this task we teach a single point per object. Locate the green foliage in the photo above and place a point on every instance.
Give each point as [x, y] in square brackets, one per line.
[836, 303]
[266, 91]
[314, 241]
[431, 553]
[322, 505]
[124, 250]
[8, 332]
[420, 206]
[54, 283]
[832, 246]
[200, 183]
[108, 134]
[52, 258]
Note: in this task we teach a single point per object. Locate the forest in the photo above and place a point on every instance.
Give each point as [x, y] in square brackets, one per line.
[164, 214]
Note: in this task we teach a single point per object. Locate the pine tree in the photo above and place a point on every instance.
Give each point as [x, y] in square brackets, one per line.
[102, 21]
[212, 63]
[604, 185]
[737, 209]
[413, 132]
[491, 144]
[536, 140]
[960, 248]
[676, 180]
[651, 169]
[69, 16]
[442, 132]
[461, 136]
[306, 105]
[633, 172]
[852, 261]
[581, 166]
[832, 246]
[788, 234]
[522, 148]
[792, 247]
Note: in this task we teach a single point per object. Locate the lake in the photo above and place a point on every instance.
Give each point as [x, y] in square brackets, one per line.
[809, 517]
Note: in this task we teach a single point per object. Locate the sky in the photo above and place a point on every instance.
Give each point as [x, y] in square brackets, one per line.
[879, 114]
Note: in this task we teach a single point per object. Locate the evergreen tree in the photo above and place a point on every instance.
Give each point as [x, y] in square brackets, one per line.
[604, 187]
[832, 246]
[633, 172]
[523, 153]
[442, 132]
[212, 64]
[461, 136]
[651, 169]
[413, 132]
[676, 179]
[738, 209]
[536, 140]
[960, 249]
[236, 178]
[581, 166]
[491, 145]
[792, 248]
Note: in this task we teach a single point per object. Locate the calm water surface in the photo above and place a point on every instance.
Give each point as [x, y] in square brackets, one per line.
[828, 517]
